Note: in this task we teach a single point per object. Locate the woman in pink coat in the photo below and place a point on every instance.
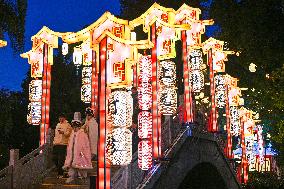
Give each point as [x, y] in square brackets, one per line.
[78, 159]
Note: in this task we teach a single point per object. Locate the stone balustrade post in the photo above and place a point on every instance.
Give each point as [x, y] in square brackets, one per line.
[14, 157]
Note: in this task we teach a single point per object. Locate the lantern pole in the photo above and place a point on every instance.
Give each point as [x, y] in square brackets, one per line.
[228, 123]
[213, 124]
[103, 180]
[46, 80]
[155, 114]
[188, 117]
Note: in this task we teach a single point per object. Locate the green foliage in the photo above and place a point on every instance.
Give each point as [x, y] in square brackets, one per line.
[15, 132]
[65, 88]
[267, 180]
[12, 21]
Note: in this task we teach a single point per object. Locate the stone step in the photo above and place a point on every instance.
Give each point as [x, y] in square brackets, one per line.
[61, 181]
[63, 186]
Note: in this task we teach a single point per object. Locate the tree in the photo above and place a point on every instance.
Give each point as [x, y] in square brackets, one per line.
[255, 29]
[12, 21]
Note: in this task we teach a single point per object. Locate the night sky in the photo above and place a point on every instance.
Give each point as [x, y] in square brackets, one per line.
[58, 15]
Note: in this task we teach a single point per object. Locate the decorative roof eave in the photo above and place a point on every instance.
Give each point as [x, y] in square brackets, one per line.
[141, 44]
[140, 20]
[211, 44]
[3, 43]
[47, 36]
[82, 35]
[179, 27]
[185, 6]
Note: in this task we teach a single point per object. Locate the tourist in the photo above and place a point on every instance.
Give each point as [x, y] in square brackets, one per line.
[91, 128]
[60, 142]
[78, 159]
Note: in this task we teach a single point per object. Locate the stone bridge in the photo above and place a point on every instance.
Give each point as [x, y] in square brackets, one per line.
[192, 159]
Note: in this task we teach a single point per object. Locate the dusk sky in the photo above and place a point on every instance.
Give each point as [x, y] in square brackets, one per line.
[58, 15]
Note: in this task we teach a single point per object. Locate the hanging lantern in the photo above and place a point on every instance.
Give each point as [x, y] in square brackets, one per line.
[120, 109]
[220, 91]
[119, 146]
[195, 59]
[168, 94]
[34, 115]
[218, 60]
[87, 53]
[145, 96]
[168, 101]
[35, 90]
[196, 76]
[77, 56]
[145, 154]
[167, 73]
[260, 145]
[64, 49]
[145, 68]
[144, 125]
[235, 120]
[86, 89]
[197, 80]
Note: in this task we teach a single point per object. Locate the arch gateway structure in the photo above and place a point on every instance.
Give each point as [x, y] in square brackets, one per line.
[113, 62]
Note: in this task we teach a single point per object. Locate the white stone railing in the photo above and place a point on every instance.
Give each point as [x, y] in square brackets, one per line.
[28, 171]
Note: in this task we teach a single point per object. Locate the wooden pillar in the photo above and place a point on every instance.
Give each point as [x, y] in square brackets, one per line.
[188, 114]
[213, 126]
[228, 125]
[155, 87]
[45, 101]
[103, 171]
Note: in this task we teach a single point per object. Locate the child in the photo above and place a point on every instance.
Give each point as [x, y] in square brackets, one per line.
[78, 159]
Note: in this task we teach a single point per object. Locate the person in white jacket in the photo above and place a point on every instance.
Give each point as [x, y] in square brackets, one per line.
[62, 133]
[91, 128]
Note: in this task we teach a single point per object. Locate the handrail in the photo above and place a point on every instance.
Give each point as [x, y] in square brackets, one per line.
[30, 169]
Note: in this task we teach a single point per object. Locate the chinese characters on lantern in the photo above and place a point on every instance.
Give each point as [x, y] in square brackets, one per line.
[235, 120]
[145, 116]
[119, 146]
[220, 91]
[119, 139]
[86, 90]
[196, 76]
[34, 109]
[168, 94]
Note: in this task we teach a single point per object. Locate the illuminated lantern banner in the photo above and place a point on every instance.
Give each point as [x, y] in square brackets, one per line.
[167, 73]
[168, 94]
[168, 101]
[145, 68]
[86, 90]
[260, 145]
[77, 56]
[220, 91]
[86, 54]
[248, 133]
[145, 96]
[34, 115]
[64, 49]
[166, 37]
[144, 125]
[196, 76]
[34, 109]
[235, 121]
[145, 116]
[219, 57]
[120, 109]
[119, 146]
[145, 154]
[36, 61]
[35, 90]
